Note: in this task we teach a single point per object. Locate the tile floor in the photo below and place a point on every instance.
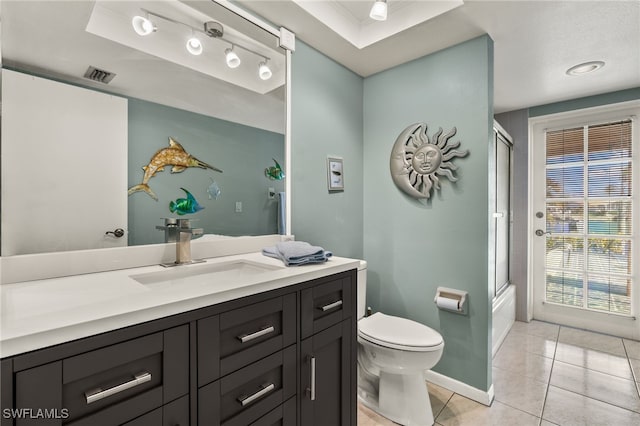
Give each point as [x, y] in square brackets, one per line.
[544, 375]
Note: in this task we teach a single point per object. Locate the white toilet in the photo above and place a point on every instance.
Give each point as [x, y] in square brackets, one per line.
[393, 354]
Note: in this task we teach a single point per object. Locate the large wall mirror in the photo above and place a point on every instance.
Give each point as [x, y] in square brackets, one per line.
[89, 99]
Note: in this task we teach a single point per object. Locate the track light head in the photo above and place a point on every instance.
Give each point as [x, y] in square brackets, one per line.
[142, 25]
[194, 46]
[379, 10]
[233, 61]
[264, 71]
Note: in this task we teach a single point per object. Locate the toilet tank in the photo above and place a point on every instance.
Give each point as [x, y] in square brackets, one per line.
[362, 288]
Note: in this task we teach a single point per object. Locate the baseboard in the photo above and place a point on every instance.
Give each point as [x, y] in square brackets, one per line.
[483, 397]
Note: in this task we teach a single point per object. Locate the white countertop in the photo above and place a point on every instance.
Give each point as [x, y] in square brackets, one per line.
[37, 314]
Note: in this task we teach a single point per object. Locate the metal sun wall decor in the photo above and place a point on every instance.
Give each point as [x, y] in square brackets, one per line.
[417, 161]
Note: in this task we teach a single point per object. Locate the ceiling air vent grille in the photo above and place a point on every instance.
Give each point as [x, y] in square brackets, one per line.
[101, 76]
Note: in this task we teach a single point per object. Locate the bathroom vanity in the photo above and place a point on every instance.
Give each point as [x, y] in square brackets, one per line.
[237, 340]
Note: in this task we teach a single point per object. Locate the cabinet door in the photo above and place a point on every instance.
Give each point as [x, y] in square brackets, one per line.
[325, 377]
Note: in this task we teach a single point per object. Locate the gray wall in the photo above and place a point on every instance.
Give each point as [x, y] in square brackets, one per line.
[412, 247]
[326, 119]
[516, 124]
[241, 152]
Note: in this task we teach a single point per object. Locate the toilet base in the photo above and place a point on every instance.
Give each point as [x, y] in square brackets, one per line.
[401, 398]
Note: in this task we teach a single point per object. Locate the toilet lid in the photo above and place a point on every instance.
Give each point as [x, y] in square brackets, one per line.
[398, 333]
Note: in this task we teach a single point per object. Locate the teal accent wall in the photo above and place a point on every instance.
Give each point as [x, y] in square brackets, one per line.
[411, 246]
[586, 102]
[326, 116]
[241, 152]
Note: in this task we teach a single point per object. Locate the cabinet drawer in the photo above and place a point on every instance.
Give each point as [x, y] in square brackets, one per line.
[237, 338]
[284, 415]
[248, 394]
[325, 304]
[175, 413]
[111, 385]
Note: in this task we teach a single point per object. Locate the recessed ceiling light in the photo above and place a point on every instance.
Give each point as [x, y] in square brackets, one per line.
[585, 68]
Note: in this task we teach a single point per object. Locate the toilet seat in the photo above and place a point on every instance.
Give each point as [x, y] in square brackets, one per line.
[399, 333]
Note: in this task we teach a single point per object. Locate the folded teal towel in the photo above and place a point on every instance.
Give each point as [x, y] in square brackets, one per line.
[294, 253]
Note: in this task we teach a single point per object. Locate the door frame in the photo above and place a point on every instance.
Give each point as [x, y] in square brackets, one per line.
[628, 327]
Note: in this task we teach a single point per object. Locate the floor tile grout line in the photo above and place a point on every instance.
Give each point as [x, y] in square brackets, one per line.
[633, 373]
[435, 416]
[546, 393]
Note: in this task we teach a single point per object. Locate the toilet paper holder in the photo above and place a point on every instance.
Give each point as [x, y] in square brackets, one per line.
[452, 300]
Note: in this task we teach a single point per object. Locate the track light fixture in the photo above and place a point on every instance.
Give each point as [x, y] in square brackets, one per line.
[194, 45]
[379, 10]
[143, 26]
[232, 58]
[264, 71]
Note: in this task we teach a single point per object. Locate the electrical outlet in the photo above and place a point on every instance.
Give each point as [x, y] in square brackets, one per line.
[271, 193]
[238, 206]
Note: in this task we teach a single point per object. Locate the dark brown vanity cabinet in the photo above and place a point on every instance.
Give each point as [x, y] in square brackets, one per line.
[110, 385]
[327, 352]
[283, 357]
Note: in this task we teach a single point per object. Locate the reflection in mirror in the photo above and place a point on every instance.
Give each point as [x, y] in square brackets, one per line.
[87, 102]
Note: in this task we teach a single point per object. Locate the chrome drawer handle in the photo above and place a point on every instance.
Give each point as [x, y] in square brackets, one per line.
[247, 337]
[331, 306]
[249, 399]
[98, 394]
[312, 389]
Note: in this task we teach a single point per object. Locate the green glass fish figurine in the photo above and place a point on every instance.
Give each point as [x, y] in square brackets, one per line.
[274, 172]
[185, 205]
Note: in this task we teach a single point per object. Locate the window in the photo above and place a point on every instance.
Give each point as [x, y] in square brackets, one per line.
[589, 217]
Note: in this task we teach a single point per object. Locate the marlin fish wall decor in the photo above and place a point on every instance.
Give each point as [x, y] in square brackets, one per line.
[174, 155]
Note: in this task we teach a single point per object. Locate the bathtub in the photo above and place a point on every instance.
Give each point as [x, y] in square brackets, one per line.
[504, 315]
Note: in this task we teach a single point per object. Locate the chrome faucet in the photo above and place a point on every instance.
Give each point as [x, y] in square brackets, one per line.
[181, 230]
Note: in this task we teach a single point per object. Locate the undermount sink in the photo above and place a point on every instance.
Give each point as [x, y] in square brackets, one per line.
[212, 273]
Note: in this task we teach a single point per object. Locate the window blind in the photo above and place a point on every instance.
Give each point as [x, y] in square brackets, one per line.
[589, 217]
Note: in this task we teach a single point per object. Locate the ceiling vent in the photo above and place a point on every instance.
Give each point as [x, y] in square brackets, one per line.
[101, 76]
